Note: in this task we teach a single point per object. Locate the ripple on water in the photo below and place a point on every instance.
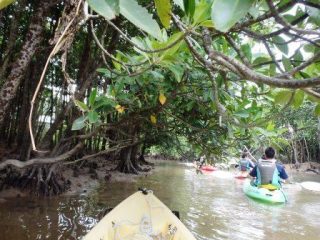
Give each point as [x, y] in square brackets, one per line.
[312, 213]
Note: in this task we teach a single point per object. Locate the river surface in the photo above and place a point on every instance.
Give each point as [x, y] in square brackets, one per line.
[211, 205]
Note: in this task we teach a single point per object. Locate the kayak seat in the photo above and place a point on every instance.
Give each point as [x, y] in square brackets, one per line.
[270, 187]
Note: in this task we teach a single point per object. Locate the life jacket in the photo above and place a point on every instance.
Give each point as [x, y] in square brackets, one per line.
[267, 173]
[244, 164]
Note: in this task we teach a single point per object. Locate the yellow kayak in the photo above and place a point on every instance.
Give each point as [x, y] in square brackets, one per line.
[141, 216]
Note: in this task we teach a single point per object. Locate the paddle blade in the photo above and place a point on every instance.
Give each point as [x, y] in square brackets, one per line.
[312, 186]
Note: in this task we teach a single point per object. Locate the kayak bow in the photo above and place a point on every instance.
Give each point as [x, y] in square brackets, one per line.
[141, 216]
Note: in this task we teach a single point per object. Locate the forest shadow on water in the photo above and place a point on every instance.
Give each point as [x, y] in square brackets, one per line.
[211, 205]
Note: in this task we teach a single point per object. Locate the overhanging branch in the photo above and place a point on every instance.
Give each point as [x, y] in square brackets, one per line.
[41, 161]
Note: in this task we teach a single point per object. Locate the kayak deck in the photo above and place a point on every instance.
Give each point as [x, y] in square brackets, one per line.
[265, 195]
[140, 217]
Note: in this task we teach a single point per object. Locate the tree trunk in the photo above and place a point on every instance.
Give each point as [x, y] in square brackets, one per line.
[295, 154]
[134, 159]
[11, 42]
[23, 136]
[307, 149]
[126, 165]
[294, 146]
[318, 155]
[141, 158]
[33, 39]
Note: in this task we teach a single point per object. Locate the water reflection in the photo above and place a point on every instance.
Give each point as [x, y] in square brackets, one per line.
[211, 205]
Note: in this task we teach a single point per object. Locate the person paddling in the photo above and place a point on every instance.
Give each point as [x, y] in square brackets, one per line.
[267, 172]
[245, 165]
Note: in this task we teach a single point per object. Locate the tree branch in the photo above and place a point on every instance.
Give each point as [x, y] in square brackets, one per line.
[249, 74]
[283, 22]
[41, 161]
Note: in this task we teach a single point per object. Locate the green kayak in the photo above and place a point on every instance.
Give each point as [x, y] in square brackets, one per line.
[262, 194]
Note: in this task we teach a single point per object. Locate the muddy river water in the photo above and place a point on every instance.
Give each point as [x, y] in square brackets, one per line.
[211, 205]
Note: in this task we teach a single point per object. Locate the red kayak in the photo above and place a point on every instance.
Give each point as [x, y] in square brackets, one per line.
[208, 168]
[240, 177]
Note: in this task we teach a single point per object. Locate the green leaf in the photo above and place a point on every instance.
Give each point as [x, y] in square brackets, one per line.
[202, 12]
[163, 10]
[92, 97]
[104, 102]
[314, 14]
[4, 3]
[156, 75]
[261, 59]
[109, 101]
[247, 50]
[189, 7]
[139, 103]
[265, 132]
[79, 123]
[272, 70]
[171, 51]
[286, 63]
[317, 110]
[142, 44]
[177, 71]
[309, 48]
[254, 12]
[289, 17]
[226, 13]
[207, 23]
[298, 98]
[298, 56]
[102, 106]
[81, 105]
[120, 58]
[140, 17]
[270, 126]
[190, 105]
[106, 8]
[313, 69]
[313, 98]
[281, 44]
[283, 97]
[93, 116]
[242, 113]
[106, 72]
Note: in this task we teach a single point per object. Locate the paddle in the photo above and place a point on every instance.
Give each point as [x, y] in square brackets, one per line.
[284, 195]
[312, 186]
[252, 157]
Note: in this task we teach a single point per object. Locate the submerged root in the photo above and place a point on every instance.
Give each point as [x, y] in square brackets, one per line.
[132, 168]
[143, 161]
[41, 181]
[127, 168]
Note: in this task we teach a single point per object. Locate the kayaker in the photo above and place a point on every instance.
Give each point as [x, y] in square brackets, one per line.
[196, 165]
[202, 160]
[268, 173]
[245, 164]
